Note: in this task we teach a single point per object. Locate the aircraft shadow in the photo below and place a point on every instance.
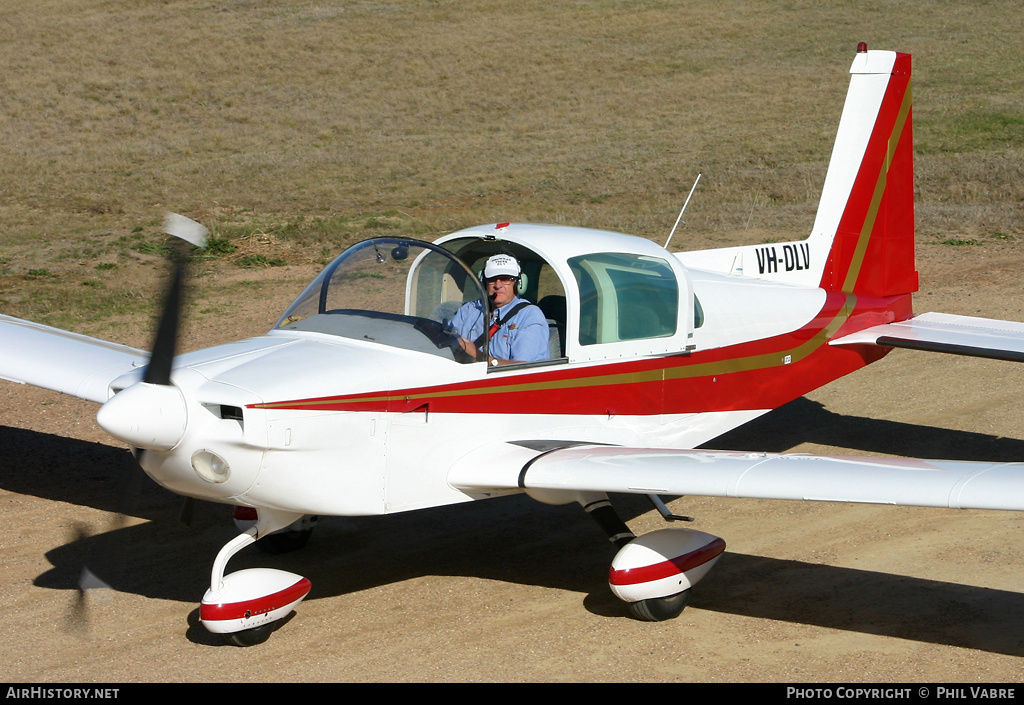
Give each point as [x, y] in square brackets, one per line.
[514, 540]
[553, 547]
[865, 601]
[69, 470]
[806, 421]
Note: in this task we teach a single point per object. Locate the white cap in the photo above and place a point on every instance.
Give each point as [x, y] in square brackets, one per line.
[501, 266]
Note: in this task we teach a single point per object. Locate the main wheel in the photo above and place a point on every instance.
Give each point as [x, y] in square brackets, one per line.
[251, 637]
[659, 609]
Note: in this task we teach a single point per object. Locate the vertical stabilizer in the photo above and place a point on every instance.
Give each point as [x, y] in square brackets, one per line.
[865, 218]
[862, 240]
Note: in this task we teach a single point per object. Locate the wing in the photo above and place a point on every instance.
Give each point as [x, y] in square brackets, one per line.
[943, 332]
[63, 361]
[897, 481]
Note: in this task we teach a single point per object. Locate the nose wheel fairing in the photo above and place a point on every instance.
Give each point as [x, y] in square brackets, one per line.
[252, 598]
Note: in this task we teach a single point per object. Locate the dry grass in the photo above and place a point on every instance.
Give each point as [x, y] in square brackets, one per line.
[314, 121]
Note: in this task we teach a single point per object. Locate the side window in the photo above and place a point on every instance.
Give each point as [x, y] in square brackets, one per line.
[625, 297]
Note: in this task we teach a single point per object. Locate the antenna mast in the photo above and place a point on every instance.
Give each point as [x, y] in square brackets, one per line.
[692, 188]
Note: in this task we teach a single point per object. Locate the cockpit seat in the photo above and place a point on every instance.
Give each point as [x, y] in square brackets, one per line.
[554, 310]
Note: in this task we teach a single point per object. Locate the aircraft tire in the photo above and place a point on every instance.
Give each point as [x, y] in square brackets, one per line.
[659, 609]
[251, 637]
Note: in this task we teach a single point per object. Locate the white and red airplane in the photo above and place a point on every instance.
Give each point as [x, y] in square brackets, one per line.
[360, 400]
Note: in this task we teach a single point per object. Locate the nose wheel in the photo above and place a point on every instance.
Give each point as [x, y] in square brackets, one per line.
[251, 637]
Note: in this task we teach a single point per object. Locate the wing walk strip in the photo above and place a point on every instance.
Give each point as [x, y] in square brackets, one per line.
[759, 361]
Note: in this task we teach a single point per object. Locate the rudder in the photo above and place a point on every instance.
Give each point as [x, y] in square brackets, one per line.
[867, 203]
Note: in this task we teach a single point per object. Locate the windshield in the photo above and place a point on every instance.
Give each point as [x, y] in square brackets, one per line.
[397, 292]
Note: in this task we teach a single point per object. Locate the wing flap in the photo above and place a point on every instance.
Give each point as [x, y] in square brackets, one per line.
[948, 333]
[896, 481]
[31, 353]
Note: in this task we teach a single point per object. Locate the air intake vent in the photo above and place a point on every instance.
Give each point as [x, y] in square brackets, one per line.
[230, 412]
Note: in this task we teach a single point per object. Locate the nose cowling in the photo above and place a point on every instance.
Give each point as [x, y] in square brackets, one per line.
[144, 415]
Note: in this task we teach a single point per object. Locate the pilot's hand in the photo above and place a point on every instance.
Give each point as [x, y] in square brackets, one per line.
[468, 346]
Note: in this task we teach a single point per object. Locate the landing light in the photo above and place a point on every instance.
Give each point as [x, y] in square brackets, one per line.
[210, 466]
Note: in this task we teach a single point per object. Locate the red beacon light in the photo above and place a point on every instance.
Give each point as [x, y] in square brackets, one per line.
[862, 47]
[501, 226]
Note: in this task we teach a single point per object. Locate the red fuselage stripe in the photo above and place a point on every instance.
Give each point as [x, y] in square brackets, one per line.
[721, 379]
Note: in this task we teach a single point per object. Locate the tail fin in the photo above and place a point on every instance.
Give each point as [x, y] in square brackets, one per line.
[867, 204]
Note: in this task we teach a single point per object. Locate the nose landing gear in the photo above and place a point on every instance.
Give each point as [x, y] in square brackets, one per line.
[245, 605]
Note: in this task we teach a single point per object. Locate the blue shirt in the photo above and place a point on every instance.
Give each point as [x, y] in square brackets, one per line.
[524, 338]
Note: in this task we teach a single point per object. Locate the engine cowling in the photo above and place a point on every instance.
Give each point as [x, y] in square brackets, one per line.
[663, 563]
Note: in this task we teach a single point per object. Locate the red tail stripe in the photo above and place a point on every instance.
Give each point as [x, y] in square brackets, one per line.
[873, 248]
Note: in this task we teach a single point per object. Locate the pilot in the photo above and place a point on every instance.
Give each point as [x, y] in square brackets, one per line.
[518, 330]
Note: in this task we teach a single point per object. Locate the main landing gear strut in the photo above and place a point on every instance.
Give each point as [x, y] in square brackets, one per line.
[653, 573]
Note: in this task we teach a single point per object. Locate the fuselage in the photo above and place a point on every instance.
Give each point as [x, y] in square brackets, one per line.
[318, 419]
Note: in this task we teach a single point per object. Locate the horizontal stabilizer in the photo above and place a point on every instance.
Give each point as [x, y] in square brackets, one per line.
[66, 362]
[943, 332]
